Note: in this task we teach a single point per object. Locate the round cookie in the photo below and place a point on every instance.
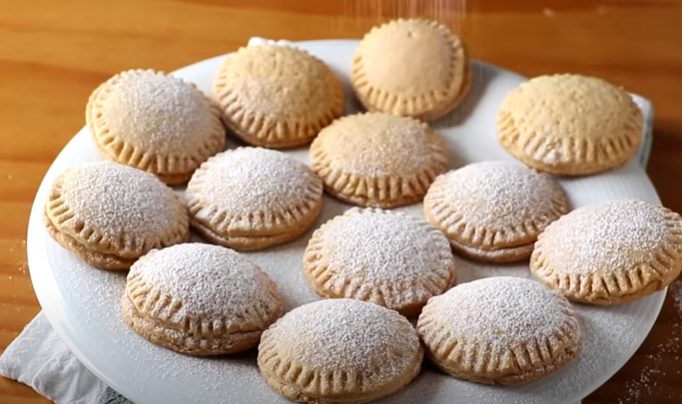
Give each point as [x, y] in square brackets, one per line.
[339, 351]
[155, 122]
[378, 159]
[199, 299]
[500, 330]
[610, 253]
[569, 124]
[110, 214]
[391, 259]
[493, 211]
[412, 67]
[277, 96]
[252, 198]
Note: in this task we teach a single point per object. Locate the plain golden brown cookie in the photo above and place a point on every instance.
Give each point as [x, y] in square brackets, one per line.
[392, 259]
[569, 124]
[110, 214]
[610, 253]
[155, 122]
[277, 96]
[493, 211]
[412, 67]
[251, 198]
[199, 299]
[377, 159]
[500, 330]
[339, 351]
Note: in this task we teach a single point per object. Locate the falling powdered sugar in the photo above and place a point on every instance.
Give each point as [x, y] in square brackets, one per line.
[282, 83]
[378, 145]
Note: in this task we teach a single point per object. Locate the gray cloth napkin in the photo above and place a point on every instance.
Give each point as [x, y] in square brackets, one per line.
[39, 358]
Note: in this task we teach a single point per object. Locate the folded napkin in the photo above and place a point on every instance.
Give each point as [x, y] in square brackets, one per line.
[39, 358]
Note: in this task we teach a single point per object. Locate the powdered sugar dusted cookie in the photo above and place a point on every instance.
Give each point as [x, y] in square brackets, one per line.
[155, 122]
[110, 214]
[570, 124]
[199, 299]
[251, 198]
[392, 259]
[500, 330]
[493, 211]
[277, 96]
[412, 67]
[339, 351]
[378, 159]
[611, 252]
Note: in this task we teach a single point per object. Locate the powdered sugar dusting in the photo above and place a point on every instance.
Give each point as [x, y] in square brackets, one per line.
[280, 82]
[380, 246]
[569, 105]
[676, 293]
[210, 281]
[252, 178]
[552, 156]
[345, 334]
[377, 144]
[502, 311]
[158, 112]
[604, 237]
[115, 199]
[656, 377]
[105, 288]
[497, 194]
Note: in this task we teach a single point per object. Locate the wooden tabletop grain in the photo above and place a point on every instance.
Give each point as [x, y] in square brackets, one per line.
[54, 53]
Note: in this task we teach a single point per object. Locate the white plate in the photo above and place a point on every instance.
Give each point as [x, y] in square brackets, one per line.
[82, 303]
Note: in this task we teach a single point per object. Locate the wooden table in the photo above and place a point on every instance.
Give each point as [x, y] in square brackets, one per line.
[53, 53]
